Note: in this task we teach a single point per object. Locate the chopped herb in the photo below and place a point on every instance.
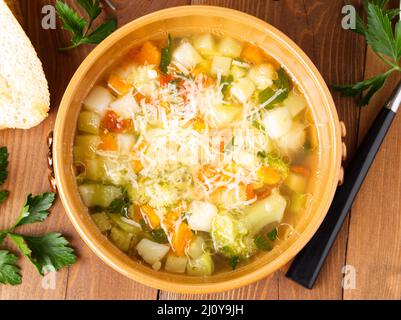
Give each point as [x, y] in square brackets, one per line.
[159, 235]
[9, 271]
[166, 56]
[271, 97]
[272, 235]
[258, 125]
[226, 82]
[120, 205]
[384, 37]
[262, 154]
[233, 262]
[262, 244]
[79, 27]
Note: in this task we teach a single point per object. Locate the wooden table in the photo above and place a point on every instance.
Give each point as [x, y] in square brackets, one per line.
[369, 241]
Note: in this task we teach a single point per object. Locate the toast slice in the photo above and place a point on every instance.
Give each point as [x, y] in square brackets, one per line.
[24, 93]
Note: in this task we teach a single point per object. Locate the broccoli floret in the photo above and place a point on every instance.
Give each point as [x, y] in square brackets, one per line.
[276, 162]
[231, 236]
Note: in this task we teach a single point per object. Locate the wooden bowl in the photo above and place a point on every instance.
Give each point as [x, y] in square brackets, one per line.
[186, 20]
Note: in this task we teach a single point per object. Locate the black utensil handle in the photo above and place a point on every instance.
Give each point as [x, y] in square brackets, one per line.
[306, 266]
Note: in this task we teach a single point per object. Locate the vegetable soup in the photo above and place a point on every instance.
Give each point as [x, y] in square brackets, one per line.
[194, 154]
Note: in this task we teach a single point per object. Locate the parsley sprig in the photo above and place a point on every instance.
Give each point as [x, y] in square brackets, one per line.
[385, 41]
[48, 252]
[79, 27]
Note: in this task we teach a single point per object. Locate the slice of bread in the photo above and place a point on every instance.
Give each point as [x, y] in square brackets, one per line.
[24, 93]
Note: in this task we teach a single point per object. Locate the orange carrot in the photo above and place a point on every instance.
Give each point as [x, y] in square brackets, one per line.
[150, 216]
[268, 175]
[148, 53]
[113, 123]
[181, 238]
[118, 85]
[108, 143]
[300, 170]
[253, 54]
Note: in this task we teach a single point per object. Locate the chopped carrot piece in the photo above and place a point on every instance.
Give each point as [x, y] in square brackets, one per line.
[300, 170]
[108, 143]
[164, 79]
[113, 123]
[250, 193]
[268, 175]
[253, 54]
[136, 214]
[148, 53]
[137, 166]
[182, 236]
[150, 216]
[118, 85]
[170, 219]
[263, 192]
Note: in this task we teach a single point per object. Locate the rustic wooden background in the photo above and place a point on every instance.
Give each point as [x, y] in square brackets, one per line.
[370, 240]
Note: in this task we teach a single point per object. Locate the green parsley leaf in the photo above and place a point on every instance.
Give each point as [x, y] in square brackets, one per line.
[159, 235]
[272, 235]
[101, 32]
[258, 125]
[372, 85]
[9, 271]
[3, 164]
[70, 18]
[45, 252]
[233, 262]
[92, 8]
[120, 205]
[166, 56]
[270, 97]
[35, 209]
[262, 244]
[3, 196]
[226, 82]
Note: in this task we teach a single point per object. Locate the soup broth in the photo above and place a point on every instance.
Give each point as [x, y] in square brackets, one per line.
[194, 154]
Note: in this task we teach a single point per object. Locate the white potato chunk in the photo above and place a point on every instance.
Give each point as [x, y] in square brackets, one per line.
[98, 100]
[126, 106]
[262, 75]
[150, 251]
[125, 142]
[295, 103]
[224, 114]
[201, 214]
[205, 44]
[176, 264]
[186, 55]
[229, 47]
[293, 140]
[296, 182]
[145, 80]
[277, 122]
[242, 89]
[221, 65]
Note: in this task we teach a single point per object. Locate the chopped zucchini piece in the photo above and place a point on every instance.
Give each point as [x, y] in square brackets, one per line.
[121, 238]
[263, 212]
[85, 147]
[89, 122]
[295, 103]
[176, 264]
[94, 194]
[238, 72]
[229, 47]
[221, 65]
[242, 89]
[296, 182]
[202, 266]
[116, 218]
[94, 169]
[102, 221]
[298, 202]
[205, 44]
[197, 247]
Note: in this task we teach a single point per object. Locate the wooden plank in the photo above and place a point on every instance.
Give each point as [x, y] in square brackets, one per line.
[375, 236]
